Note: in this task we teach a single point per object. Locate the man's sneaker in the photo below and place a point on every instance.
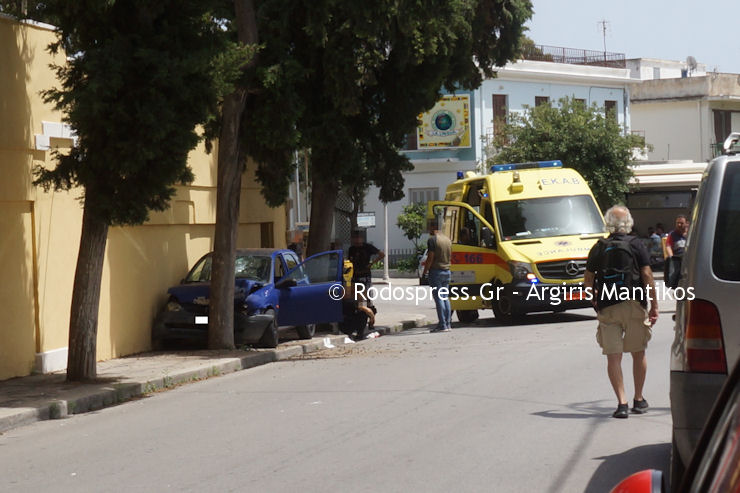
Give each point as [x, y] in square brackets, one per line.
[446, 329]
[640, 407]
[622, 411]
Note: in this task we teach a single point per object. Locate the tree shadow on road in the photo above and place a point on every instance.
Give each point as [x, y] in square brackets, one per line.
[614, 468]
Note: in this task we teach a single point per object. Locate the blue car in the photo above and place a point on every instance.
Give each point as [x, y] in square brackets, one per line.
[273, 290]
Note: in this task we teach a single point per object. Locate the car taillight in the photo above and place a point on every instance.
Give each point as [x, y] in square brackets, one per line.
[704, 349]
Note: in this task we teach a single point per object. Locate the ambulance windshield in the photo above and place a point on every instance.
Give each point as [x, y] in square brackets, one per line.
[548, 216]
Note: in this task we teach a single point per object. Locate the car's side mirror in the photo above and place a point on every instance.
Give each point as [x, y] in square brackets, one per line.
[487, 237]
[285, 282]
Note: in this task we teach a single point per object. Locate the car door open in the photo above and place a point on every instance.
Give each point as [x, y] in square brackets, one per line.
[316, 296]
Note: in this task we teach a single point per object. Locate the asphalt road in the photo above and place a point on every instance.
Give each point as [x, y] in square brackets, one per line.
[483, 408]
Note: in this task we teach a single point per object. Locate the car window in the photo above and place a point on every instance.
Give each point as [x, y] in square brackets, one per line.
[726, 475]
[279, 272]
[548, 216]
[725, 257]
[201, 272]
[256, 268]
[291, 261]
[319, 269]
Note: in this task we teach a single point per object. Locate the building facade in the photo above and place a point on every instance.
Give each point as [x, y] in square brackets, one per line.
[522, 84]
[39, 231]
[687, 118]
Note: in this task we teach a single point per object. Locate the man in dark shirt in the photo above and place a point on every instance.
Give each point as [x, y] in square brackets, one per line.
[362, 256]
[675, 246]
[624, 324]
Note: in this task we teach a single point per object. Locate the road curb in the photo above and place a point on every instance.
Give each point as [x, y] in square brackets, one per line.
[117, 393]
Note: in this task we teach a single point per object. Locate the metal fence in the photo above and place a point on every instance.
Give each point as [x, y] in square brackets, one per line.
[574, 56]
[396, 254]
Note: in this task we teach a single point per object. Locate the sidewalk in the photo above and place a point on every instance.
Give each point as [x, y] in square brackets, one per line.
[34, 398]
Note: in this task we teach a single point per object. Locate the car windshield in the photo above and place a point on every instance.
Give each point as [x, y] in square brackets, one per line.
[256, 268]
[548, 216]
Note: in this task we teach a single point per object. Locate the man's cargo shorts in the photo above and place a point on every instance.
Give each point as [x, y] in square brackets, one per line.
[623, 328]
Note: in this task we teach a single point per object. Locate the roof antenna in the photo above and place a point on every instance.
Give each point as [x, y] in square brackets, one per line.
[604, 26]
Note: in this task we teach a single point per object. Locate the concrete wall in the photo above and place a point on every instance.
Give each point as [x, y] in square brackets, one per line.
[39, 231]
[674, 129]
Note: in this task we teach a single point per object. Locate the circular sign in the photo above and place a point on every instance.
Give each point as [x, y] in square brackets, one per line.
[443, 120]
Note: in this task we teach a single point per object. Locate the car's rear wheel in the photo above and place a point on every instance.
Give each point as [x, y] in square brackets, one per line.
[270, 337]
[467, 316]
[677, 466]
[306, 331]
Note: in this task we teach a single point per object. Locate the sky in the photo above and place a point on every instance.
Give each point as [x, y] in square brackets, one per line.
[672, 30]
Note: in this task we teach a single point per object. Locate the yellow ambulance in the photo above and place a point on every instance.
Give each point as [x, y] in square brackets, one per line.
[520, 238]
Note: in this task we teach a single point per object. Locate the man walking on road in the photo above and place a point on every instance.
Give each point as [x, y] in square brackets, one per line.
[439, 251]
[618, 263]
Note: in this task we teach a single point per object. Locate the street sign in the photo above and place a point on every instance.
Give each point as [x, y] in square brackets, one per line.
[365, 219]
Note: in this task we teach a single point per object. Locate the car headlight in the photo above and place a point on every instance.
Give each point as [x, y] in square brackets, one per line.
[521, 270]
[173, 306]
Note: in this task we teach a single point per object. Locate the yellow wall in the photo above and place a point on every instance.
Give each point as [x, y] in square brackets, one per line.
[39, 231]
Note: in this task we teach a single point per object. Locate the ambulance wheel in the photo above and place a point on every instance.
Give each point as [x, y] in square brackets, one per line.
[467, 316]
[504, 310]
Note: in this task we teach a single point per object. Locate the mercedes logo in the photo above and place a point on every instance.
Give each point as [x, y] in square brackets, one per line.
[572, 269]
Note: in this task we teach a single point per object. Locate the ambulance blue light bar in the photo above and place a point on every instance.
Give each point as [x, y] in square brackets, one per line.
[460, 175]
[538, 164]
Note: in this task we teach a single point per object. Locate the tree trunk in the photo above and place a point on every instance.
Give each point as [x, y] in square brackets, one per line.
[231, 160]
[356, 202]
[221, 311]
[83, 320]
[323, 200]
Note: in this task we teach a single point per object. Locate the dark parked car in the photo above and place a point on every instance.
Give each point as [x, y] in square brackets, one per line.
[715, 464]
[273, 290]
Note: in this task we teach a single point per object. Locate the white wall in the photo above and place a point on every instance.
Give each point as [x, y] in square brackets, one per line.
[673, 128]
[522, 93]
[426, 175]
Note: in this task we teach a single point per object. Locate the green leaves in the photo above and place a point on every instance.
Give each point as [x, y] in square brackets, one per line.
[139, 81]
[347, 80]
[582, 137]
[412, 221]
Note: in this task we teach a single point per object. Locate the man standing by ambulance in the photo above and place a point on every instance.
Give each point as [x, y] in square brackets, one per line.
[617, 263]
[439, 252]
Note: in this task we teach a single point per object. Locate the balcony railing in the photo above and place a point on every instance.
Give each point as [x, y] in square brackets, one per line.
[573, 56]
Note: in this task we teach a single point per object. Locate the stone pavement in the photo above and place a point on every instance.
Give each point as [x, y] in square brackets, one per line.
[25, 400]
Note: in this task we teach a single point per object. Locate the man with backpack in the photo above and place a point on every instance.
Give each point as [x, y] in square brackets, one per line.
[619, 276]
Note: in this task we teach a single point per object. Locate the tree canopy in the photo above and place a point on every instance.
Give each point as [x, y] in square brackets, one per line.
[138, 79]
[135, 88]
[348, 79]
[585, 138]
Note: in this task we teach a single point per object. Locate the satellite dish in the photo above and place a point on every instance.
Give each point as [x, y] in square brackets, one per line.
[691, 63]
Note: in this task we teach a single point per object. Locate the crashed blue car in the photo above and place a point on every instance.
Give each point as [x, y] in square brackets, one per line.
[273, 290]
